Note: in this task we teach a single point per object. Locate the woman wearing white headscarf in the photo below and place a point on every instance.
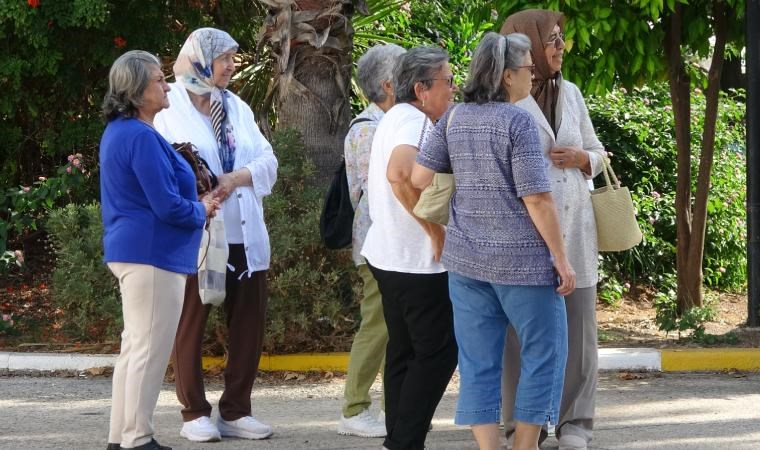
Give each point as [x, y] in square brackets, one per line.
[223, 129]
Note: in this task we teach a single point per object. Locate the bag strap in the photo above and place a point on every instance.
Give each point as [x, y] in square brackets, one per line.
[451, 116]
[358, 120]
[608, 172]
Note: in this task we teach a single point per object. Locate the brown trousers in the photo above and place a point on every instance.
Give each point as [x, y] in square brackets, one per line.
[245, 306]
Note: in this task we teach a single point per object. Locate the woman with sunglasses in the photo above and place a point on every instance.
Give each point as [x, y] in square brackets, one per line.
[503, 247]
[574, 155]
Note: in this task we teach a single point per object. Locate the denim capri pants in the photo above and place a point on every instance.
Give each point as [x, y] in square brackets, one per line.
[482, 312]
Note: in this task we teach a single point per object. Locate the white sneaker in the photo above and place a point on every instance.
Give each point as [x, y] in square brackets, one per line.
[245, 427]
[200, 430]
[362, 425]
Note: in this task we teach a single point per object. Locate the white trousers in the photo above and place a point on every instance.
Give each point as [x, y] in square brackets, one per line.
[151, 301]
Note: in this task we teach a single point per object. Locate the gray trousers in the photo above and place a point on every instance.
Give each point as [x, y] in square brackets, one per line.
[576, 414]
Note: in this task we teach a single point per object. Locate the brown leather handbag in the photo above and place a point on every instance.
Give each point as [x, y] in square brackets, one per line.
[205, 180]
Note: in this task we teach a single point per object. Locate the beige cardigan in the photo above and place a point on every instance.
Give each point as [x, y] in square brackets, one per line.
[569, 186]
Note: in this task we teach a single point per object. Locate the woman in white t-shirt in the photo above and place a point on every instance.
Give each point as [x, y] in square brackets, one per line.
[403, 252]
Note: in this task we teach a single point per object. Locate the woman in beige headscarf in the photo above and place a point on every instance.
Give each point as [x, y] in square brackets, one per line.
[574, 155]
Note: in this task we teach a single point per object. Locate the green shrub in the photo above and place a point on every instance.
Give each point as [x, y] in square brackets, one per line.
[312, 290]
[23, 209]
[82, 287]
[637, 127]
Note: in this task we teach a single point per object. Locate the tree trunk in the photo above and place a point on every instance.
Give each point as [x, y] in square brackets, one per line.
[321, 112]
[680, 84]
[712, 97]
[312, 41]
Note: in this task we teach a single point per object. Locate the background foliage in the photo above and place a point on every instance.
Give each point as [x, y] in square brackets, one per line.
[637, 128]
[50, 110]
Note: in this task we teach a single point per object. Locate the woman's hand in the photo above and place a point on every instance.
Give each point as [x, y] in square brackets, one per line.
[211, 204]
[224, 188]
[437, 234]
[570, 158]
[566, 276]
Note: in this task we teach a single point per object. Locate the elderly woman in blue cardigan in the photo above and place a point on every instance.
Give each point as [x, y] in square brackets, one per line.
[152, 223]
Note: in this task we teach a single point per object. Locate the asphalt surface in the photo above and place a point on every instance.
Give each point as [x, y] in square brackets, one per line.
[659, 411]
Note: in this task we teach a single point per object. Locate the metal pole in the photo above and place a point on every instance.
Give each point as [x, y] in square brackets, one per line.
[752, 18]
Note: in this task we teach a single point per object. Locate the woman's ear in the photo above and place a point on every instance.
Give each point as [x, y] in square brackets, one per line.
[507, 79]
[387, 87]
[420, 91]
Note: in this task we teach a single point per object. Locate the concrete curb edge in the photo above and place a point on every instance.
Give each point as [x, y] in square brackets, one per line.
[665, 360]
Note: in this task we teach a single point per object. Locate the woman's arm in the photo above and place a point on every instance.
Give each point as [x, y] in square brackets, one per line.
[543, 213]
[421, 176]
[399, 174]
[157, 179]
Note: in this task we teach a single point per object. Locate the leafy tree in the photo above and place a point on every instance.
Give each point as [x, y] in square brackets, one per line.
[641, 41]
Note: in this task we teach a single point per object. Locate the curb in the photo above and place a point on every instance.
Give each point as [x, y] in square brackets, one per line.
[666, 360]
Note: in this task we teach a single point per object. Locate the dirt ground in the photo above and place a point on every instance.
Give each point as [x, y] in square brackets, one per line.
[630, 323]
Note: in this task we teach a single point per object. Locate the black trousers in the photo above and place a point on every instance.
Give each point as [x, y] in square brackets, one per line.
[421, 354]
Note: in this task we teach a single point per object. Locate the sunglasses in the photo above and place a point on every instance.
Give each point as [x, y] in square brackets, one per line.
[558, 40]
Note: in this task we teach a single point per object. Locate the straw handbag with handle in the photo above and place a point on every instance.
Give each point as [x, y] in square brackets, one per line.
[435, 199]
[616, 226]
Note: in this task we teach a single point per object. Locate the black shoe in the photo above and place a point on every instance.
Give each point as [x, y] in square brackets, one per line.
[152, 445]
[112, 446]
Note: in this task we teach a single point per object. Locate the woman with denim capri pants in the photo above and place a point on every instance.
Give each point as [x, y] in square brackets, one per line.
[503, 248]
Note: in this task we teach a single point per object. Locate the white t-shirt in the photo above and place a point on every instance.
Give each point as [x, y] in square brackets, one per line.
[395, 241]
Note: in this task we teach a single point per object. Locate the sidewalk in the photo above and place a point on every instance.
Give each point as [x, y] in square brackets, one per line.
[673, 411]
[666, 360]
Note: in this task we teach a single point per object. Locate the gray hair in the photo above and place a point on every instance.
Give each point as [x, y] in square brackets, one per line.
[127, 80]
[419, 64]
[376, 66]
[495, 54]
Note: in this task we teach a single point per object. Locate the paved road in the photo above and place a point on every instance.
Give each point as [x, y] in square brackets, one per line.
[668, 412]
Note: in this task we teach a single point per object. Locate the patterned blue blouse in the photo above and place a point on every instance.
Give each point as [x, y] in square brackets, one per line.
[494, 152]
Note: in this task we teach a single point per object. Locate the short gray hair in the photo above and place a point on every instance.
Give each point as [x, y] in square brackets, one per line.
[127, 80]
[376, 66]
[419, 64]
[491, 59]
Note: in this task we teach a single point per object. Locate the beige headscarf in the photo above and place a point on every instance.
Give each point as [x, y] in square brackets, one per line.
[538, 24]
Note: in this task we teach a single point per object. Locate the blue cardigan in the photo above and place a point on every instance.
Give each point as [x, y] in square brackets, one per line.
[151, 213]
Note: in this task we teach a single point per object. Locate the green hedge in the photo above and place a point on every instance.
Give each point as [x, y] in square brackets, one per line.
[637, 127]
[313, 291]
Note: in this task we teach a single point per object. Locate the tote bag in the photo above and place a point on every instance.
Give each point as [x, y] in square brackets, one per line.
[212, 263]
[435, 199]
[616, 226]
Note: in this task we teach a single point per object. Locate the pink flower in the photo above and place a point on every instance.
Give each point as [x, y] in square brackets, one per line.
[627, 285]
[655, 195]
[70, 158]
[6, 317]
[19, 256]
[26, 189]
[68, 169]
[42, 178]
[722, 269]
[76, 162]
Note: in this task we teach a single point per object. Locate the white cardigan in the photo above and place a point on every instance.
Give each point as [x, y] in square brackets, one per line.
[569, 186]
[181, 122]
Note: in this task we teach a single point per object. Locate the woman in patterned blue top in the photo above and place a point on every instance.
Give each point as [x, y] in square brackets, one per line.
[503, 247]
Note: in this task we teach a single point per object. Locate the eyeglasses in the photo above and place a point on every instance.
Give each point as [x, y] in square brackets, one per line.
[449, 80]
[558, 40]
[531, 67]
